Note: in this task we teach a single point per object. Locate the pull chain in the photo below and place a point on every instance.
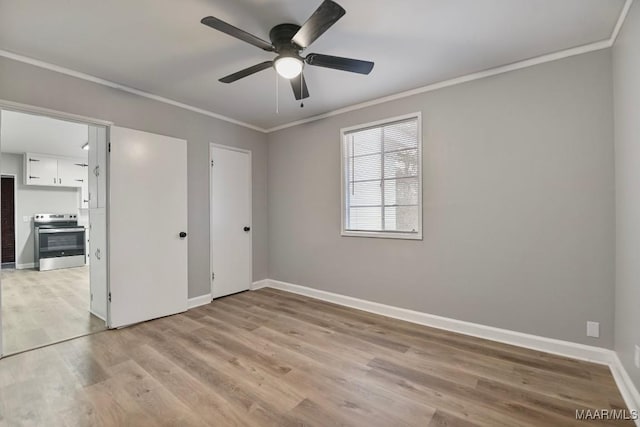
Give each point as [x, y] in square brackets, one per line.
[301, 90]
[277, 96]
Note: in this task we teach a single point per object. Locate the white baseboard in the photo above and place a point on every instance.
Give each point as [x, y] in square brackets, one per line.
[206, 299]
[198, 301]
[260, 284]
[627, 389]
[549, 345]
[98, 315]
[25, 266]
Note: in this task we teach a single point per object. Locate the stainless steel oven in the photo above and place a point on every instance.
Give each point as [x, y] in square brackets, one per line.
[59, 241]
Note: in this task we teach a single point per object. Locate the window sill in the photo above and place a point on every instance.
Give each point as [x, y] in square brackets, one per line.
[382, 235]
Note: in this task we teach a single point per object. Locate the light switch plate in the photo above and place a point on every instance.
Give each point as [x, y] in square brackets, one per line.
[593, 329]
[636, 358]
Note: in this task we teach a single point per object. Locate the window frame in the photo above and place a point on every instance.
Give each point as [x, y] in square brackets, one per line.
[343, 183]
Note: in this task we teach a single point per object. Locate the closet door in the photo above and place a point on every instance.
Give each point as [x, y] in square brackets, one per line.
[230, 221]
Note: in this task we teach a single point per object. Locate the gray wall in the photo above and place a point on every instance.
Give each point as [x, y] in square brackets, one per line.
[626, 66]
[35, 86]
[31, 200]
[518, 204]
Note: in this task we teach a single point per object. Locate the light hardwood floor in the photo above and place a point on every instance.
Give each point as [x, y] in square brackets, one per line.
[272, 358]
[43, 307]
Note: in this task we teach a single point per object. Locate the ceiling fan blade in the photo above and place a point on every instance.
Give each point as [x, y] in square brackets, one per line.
[246, 72]
[299, 86]
[339, 63]
[229, 29]
[324, 17]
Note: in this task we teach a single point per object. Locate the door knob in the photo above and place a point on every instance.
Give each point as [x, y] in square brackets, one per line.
[183, 234]
[247, 229]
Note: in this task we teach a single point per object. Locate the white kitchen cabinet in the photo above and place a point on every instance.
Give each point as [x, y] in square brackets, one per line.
[72, 172]
[40, 170]
[98, 256]
[84, 195]
[97, 167]
[48, 170]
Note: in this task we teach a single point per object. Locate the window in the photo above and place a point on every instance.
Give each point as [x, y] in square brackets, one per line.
[382, 179]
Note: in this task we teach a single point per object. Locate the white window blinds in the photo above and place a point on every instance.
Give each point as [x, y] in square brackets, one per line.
[382, 180]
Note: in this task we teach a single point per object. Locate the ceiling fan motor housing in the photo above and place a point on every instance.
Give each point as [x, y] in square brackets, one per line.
[281, 36]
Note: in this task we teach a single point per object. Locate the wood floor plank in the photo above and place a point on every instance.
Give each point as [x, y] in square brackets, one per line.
[201, 399]
[43, 307]
[278, 359]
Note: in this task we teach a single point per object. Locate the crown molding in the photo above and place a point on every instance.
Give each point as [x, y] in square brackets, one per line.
[591, 47]
[620, 23]
[108, 83]
[456, 81]
[604, 44]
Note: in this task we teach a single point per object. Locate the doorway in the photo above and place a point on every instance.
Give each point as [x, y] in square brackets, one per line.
[230, 210]
[8, 220]
[47, 283]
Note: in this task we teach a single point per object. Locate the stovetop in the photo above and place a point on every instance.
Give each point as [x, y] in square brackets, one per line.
[55, 220]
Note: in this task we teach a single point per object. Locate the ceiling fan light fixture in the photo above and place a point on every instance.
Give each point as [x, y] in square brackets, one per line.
[288, 40]
[288, 66]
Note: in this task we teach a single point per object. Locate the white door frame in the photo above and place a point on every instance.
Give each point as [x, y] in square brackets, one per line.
[15, 220]
[56, 114]
[241, 150]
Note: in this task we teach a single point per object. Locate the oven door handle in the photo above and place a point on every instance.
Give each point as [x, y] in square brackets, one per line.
[59, 230]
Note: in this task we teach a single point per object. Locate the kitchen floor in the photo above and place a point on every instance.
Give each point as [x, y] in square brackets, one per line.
[44, 307]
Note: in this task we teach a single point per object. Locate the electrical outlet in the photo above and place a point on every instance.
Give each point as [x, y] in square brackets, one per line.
[593, 329]
[636, 358]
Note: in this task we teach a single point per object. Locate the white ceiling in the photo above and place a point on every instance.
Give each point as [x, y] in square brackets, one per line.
[26, 133]
[159, 46]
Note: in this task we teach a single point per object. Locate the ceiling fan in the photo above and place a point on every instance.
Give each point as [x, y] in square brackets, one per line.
[288, 40]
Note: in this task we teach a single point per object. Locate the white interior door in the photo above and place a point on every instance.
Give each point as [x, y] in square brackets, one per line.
[230, 221]
[147, 213]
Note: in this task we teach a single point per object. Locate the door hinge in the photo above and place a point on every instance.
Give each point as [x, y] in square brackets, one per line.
[211, 163]
[109, 296]
[109, 148]
[91, 296]
[213, 276]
